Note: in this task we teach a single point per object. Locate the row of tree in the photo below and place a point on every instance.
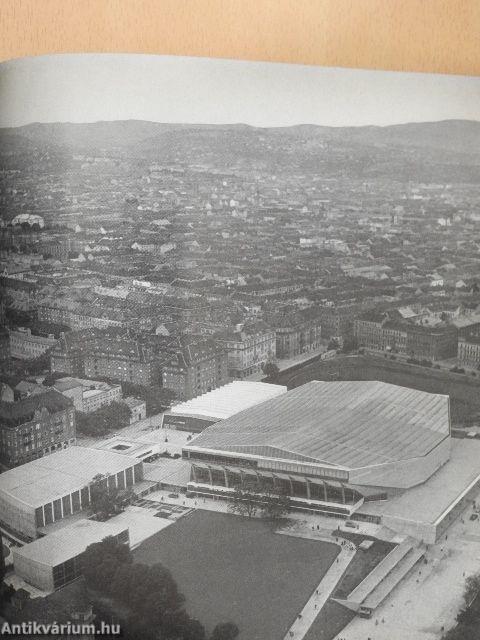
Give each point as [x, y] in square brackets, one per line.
[105, 419]
[468, 619]
[250, 498]
[149, 594]
[157, 399]
[106, 502]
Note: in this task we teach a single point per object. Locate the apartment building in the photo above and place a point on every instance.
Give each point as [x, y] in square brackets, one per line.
[35, 426]
[248, 348]
[27, 346]
[195, 368]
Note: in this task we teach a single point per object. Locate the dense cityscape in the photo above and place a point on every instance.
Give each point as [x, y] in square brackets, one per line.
[168, 288]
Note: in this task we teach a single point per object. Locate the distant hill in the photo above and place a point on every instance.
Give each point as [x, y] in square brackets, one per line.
[446, 151]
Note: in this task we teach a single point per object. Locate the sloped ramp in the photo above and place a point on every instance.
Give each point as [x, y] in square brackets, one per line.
[386, 586]
[368, 584]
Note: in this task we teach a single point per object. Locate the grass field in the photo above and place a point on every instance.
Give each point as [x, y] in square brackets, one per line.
[329, 622]
[239, 570]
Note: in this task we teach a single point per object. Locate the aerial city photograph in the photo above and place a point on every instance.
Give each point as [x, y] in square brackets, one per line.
[240, 351]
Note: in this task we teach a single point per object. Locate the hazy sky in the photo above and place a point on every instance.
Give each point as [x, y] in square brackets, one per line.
[91, 87]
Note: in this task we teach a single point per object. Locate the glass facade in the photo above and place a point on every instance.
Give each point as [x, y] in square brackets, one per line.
[269, 465]
[121, 480]
[67, 508]
[39, 517]
[76, 501]
[84, 495]
[308, 488]
[71, 569]
[47, 509]
[57, 509]
[80, 499]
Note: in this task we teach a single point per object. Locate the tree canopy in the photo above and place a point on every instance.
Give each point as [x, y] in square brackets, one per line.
[105, 501]
[105, 419]
[271, 370]
[157, 399]
[149, 593]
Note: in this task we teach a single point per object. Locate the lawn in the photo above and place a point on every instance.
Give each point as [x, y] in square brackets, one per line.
[234, 569]
[362, 564]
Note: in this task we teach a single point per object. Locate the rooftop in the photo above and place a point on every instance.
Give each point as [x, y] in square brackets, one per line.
[428, 501]
[57, 474]
[52, 401]
[228, 400]
[68, 542]
[345, 424]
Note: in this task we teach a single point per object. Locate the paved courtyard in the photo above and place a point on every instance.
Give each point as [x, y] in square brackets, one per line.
[425, 602]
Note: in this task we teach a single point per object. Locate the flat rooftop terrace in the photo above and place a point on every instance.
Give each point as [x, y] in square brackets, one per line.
[69, 542]
[429, 501]
[57, 474]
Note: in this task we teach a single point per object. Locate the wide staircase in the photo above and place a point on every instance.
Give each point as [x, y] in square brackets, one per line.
[373, 589]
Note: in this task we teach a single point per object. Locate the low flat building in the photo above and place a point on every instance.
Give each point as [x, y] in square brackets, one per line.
[137, 407]
[197, 414]
[88, 395]
[54, 487]
[53, 561]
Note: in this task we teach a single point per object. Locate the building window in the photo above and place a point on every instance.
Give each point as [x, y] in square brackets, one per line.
[39, 517]
[57, 509]
[67, 509]
[48, 513]
[76, 501]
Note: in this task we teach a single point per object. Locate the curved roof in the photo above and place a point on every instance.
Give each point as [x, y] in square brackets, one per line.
[344, 424]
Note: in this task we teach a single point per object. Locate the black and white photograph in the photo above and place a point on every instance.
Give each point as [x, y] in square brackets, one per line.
[239, 350]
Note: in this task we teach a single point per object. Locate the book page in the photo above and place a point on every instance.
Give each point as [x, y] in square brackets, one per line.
[240, 350]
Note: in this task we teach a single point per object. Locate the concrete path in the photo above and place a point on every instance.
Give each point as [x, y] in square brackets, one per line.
[319, 597]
